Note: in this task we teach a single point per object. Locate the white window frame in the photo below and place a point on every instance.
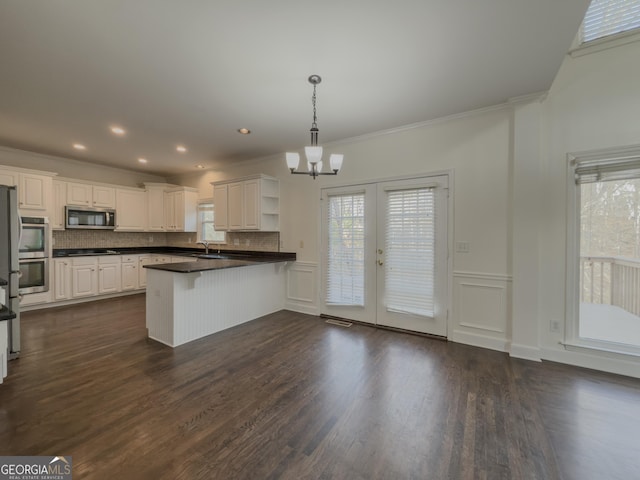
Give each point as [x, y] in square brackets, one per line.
[201, 209]
[572, 340]
[581, 47]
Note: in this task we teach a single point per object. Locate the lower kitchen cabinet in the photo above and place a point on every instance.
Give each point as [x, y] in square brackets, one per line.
[62, 279]
[109, 276]
[81, 277]
[129, 272]
[84, 277]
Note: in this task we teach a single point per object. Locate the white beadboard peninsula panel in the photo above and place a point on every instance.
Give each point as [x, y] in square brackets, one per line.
[481, 306]
[302, 288]
[182, 307]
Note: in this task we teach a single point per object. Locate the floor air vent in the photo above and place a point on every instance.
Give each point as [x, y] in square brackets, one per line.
[340, 323]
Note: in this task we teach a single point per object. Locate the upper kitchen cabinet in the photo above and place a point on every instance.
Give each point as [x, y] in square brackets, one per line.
[97, 196]
[221, 208]
[57, 220]
[131, 210]
[250, 204]
[34, 189]
[181, 209]
[155, 206]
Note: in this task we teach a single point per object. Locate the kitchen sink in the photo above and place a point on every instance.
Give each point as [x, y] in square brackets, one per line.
[211, 256]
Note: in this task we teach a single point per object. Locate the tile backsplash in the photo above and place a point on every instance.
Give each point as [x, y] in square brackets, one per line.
[258, 241]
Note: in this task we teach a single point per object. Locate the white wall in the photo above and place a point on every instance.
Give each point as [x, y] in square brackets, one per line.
[594, 103]
[476, 146]
[66, 167]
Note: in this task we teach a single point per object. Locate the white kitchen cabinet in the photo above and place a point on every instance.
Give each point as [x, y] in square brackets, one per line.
[129, 272]
[8, 177]
[235, 206]
[84, 271]
[131, 210]
[104, 197]
[155, 208]
[181, 209]
[109, 274]
[57, 220]
[249, 204]
[62, 279]
[220, 207]
[79, 194]
[95, 196]
[142, 272]
[34, 190]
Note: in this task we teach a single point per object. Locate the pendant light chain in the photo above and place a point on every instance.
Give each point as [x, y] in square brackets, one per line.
[314, 126]
[314, 151]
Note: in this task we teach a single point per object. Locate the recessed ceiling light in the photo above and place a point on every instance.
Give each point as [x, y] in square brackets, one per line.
[79, 146]
[118, 130]
[181, 149]
[199, 166]
[142, 160]
[244, 131]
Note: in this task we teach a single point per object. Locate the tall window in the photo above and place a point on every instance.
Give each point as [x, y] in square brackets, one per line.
[410, 256]
[345, 258]
[609, 268]
[608, 17]
[206, 229]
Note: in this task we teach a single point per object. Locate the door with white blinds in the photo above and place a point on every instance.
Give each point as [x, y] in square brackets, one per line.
[385, 254]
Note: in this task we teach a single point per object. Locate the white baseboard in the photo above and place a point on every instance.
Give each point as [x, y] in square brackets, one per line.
[525, 352]
[478, 340]
[308, 309]
[617, 366]
[73, 301]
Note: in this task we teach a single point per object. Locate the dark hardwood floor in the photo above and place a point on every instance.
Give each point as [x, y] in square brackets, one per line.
[290, 397]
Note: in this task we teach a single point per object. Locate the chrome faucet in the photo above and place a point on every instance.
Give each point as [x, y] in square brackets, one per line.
[206, 246]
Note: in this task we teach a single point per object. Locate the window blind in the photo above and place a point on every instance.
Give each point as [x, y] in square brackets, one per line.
[410, 251]
[345, 256]
[608, 17]
[607, 169]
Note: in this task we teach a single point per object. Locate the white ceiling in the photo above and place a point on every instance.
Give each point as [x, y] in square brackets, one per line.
[193, 71]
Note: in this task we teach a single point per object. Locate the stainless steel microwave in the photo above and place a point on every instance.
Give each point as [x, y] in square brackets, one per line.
[90, 218]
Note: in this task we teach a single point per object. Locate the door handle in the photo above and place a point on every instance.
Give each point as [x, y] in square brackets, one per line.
[380, 251]
[380, 262]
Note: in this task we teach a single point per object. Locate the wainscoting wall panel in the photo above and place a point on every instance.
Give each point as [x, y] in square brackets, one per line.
[481, 310]
[302, 288]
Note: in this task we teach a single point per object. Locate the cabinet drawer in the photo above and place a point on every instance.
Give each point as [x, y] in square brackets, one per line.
[78, 261]
[105, 259]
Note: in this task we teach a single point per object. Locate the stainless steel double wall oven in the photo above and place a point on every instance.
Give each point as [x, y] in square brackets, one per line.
[33, 255]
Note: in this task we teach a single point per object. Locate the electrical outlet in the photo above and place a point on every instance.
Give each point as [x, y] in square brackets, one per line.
[555, 326]
[247, 242]
[189, 240]
[301, 243]
[236, 241]
[150, 238]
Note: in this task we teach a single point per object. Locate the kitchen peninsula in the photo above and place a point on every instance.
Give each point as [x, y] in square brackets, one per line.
[188, 301]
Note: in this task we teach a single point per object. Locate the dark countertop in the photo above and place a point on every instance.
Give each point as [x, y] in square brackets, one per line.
[248, 255]
[203, 265]
[6, 314]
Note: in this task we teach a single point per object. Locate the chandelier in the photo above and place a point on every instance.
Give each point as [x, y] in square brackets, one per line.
[313, 152]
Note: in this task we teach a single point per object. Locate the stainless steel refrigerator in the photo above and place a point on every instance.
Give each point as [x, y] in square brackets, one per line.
[9, 267]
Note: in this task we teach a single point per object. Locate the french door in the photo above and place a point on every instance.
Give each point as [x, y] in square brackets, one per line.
[384, 249]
